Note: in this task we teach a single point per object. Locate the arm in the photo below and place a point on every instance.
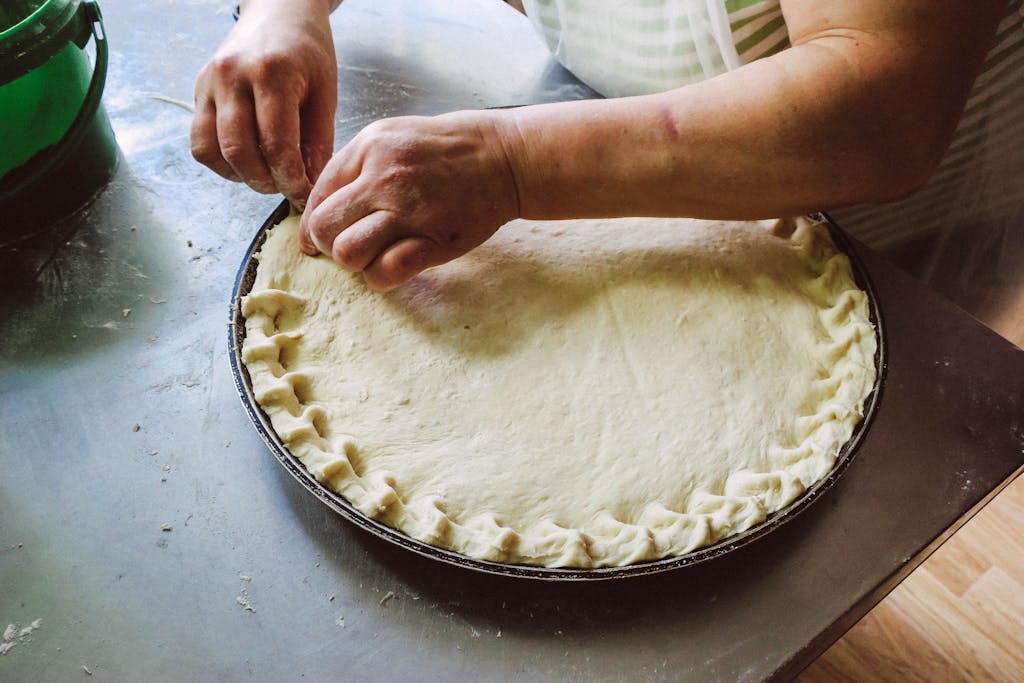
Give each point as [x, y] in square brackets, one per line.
[265, 102]
[860, 108]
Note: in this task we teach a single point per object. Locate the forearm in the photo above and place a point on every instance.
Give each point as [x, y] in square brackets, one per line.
[311, 7]
[810, 128]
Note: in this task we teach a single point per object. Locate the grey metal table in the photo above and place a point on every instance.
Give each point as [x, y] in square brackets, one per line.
[118, 416]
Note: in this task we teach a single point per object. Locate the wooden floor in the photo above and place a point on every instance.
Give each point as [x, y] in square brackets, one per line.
[960, 615]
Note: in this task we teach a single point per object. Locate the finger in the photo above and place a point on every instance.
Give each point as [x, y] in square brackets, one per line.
[203, 135]
[277, 122]
[305, 243]
[326, 220]
[239, 144]
[342, 169]
[360, 243]
[339, 173]
[402, 261]
[317, 125]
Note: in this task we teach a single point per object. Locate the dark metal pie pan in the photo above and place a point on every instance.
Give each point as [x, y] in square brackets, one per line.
[236, 335]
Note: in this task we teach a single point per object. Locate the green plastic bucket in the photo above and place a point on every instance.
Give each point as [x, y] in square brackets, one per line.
[57, 149]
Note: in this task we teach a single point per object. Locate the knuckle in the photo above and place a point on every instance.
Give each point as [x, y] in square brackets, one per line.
[402, 181]
[378, 126]
[203, 152]
[381, 131]
[269, 65]
[277, 150]
[319, 231]
[272, 64]
[312, 202]
[393, 176]
[347, 253]
[404, 192]
[225, 65]
[408, 262]
[234, 152]
[370, 135]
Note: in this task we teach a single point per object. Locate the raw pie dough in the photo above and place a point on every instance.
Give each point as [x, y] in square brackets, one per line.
[572, 393]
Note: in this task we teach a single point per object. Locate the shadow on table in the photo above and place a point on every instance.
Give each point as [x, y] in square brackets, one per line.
[677, 598]
[76, 286]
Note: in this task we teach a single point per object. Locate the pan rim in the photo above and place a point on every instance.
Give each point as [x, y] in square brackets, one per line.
[261, 422]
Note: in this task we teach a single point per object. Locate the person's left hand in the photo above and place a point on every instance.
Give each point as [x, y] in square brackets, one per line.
[410, 193]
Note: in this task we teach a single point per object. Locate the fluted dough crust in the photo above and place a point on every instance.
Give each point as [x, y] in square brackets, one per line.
[572, 393]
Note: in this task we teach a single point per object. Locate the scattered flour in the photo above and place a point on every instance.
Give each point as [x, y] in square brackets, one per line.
[243, 599]
[16, 635]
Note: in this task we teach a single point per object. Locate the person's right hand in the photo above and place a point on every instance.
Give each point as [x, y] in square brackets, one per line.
[265, 102]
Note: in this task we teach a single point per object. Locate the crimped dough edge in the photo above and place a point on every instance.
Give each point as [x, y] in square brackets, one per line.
[749, 497]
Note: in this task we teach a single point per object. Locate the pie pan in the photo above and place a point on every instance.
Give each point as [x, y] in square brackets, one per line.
[236, 335]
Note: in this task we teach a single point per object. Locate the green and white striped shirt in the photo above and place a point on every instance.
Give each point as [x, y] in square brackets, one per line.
[637, 47]
[631, 47]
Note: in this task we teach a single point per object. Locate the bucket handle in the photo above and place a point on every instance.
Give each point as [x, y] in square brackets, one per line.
[41, 164]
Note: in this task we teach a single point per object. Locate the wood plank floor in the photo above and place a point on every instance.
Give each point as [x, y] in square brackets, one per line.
[960, 615]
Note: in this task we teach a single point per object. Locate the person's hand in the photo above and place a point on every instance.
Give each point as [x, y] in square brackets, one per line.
[410, 193]
[265, 102]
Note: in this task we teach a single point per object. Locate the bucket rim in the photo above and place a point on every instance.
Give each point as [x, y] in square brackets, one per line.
[46, 7]
[33, 32]
[37, 38]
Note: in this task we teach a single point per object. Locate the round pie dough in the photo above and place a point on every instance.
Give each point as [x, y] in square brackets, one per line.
[572, 393]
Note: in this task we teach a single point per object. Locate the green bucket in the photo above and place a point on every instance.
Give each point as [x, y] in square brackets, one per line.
[57, 149]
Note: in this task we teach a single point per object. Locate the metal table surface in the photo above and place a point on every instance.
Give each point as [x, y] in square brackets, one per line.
[118, 416]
